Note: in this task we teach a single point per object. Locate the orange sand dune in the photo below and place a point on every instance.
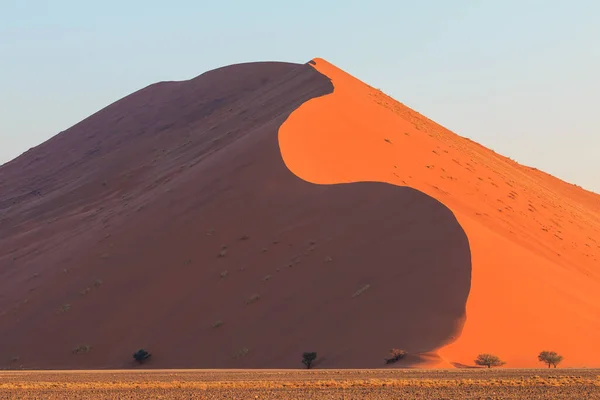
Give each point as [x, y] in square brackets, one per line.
[535, 240]
[175, 219]
[169, 221]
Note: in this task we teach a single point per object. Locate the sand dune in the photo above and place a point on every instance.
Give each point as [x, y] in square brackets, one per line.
[534, 239]
[169, 221]
[262, 210]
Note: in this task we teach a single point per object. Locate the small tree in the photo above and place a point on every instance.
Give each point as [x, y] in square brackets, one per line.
[308, 358]
[141, 355]
[550, 358]
[395, 355]
[489, 360]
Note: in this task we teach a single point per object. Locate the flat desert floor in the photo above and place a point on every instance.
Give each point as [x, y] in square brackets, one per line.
[302, 384]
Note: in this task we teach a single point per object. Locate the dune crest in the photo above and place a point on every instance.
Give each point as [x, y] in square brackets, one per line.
[263, 210]
[169, 221]
[534, 239]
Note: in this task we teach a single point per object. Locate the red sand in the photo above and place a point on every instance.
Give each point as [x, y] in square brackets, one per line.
[534, 239]
[113, 233]
[169, 210]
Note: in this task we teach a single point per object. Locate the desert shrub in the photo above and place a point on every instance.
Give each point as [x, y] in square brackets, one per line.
[65, 308]
[550, 357]
[141, 355]
[241, 352]
[395, 355]
[217, 323]
[253, 298]
[82, 349]
[489, 360]
[308, 358]
[361, 290]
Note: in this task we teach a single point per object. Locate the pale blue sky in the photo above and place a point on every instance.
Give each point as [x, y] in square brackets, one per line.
[519, 76]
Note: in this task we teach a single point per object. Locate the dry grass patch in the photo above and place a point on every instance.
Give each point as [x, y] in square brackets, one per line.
[217, 324]
[82, 349]
[361, 290]
[252, 299]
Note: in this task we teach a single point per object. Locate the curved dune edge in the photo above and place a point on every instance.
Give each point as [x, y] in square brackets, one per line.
[534, 239]
[246, 264]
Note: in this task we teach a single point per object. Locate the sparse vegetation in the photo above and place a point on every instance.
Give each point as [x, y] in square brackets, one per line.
[253, 298]
[308, 358]
[551, 358]
[395, 355]
[217, 323]
[266, 278]
[489, 360]
[244, 237]
[64, 308]
[98, 282]
[223, 253]
[361, 290]
[85, 291]
[141, 355]
[82, 349]
[224, 274]
[316, 383]
[241, 352]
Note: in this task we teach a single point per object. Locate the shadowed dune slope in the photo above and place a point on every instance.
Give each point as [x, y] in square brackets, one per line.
[535, 240]
[169, 221]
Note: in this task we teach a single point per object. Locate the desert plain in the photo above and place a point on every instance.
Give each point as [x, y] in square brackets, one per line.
[494, 384]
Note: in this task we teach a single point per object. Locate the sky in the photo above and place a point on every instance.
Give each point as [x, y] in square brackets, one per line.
[521, 77]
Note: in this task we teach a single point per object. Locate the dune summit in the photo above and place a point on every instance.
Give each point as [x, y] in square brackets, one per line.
[261, 210]
[534, 239]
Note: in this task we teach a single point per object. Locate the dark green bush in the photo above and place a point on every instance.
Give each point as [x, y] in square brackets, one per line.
[395, 355]
[141, 355]
[308, 358]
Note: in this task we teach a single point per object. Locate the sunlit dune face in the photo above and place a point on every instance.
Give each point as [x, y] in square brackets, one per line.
[534, 240]
[270, 209]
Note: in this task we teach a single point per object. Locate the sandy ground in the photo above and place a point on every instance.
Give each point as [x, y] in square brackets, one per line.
[301, 384]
